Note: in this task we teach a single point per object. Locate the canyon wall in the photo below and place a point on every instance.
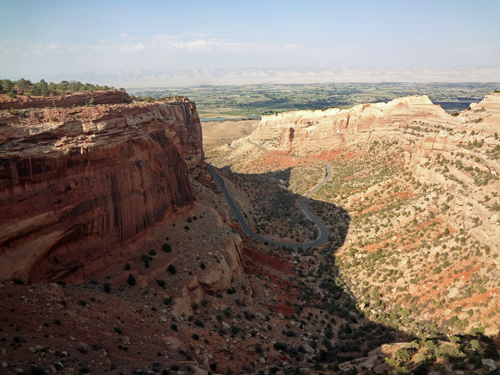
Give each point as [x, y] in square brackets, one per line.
[77, 183]
[468, 141]
[303, 132]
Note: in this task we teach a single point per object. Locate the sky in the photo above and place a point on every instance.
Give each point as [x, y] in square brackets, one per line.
[53, 37]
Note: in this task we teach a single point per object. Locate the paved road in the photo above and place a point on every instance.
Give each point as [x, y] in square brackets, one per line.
[323, 232]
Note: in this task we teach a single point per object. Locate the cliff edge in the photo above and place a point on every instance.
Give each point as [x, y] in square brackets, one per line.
[78, 183]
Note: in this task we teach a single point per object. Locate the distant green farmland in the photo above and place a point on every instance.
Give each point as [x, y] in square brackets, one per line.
[253, 101]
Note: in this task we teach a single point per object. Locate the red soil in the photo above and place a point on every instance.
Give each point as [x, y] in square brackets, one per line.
[273, 262]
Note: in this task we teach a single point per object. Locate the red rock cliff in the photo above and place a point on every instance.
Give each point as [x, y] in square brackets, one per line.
[77, 183]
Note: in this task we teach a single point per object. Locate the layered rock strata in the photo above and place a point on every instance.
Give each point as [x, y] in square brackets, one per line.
[77, 183]
[302, 132]
[424, 130]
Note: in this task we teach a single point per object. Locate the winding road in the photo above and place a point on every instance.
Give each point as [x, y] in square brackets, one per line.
[323, 232]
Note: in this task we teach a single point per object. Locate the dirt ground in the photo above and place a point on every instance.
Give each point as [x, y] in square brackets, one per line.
[219, 133]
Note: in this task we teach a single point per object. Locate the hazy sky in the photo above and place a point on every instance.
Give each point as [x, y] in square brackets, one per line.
[52, 36]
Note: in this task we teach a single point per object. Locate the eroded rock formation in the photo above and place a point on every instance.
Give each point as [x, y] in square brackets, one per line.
[302, 132]
[424, 130]
[76, 183]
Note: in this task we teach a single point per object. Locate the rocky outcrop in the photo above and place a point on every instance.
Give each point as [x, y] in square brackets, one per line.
[216, 279]
[303, 132]
[76, 99]
[77, 183]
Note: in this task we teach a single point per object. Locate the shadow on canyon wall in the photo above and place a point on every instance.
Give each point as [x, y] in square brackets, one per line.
[346, 328]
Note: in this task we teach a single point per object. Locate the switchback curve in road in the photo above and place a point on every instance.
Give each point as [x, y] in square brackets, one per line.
[323, 232]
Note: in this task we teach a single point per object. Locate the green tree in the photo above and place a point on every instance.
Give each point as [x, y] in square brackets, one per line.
[402, 356]
[23, 84]
[7, 84]
[63, 86]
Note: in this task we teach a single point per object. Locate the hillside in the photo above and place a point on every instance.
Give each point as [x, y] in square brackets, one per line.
[114, 203]
[412, 208]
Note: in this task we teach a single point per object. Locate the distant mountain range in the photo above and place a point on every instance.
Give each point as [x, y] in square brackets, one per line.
[165, 78]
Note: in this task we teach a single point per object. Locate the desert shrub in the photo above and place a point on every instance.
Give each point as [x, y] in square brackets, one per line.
[106, 287]
[171, 269]
[448, 351]
[127, 266]
[290, 333]
[474, 344]
[131, 280]
[35, 370]
[145, 259]
[166, 247]
[18, 281]
[491, 352]
[161, 283]
[118, 330]
[174, 327]
[430, 346]
[258, 348]
[475, 359]
[280, 346]
[249, 315]
[82, 349]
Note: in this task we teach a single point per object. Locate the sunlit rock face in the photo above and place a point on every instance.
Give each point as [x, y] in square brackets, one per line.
[313, 131]
[77, 183]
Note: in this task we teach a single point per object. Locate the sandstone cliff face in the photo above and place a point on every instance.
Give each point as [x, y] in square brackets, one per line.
[302, 132]
[76, 183]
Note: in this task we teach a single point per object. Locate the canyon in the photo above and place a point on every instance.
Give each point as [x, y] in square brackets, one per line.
[115, 236]
[408, 121]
